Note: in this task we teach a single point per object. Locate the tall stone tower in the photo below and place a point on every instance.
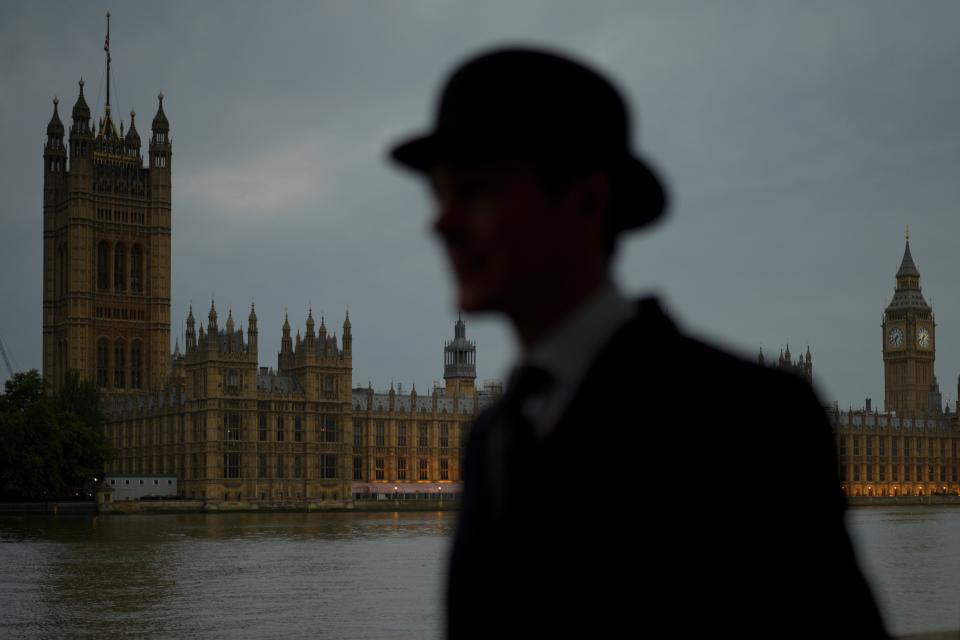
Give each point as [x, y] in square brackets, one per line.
[106, 251]
[909, 346]
[460, 362]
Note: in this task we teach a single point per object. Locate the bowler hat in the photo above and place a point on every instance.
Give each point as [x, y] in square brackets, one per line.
[545, 107]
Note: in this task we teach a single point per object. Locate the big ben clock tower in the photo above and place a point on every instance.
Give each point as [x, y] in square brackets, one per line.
[908, 343]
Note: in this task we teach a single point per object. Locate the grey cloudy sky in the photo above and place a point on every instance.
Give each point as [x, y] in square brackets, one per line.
[799, 140]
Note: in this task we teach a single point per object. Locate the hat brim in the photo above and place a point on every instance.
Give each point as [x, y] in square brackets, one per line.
[639, 194]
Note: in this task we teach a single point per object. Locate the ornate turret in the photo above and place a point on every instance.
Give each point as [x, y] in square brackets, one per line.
[285, 357]
[212, 319]
[160, 122]
[803, 367]
[55, 127]
[230, 325]
[132, 139]
[160, 148]
[252, 330]
[310, 339]
[81, 142]
[54, 154]
[460, 362]
[191, 333]
[347, 336]
[213, 341]
[81, 114]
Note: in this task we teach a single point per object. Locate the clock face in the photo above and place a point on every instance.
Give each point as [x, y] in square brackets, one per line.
[895, 337]
[923, 337]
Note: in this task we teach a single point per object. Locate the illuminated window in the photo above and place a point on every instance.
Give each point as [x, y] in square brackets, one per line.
[401, 468]
[423, 469]
[379, 468]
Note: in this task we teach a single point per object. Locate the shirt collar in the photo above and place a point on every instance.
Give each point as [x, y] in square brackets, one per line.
[567, 351]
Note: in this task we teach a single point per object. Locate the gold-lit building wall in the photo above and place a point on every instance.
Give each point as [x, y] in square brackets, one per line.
[888, 455]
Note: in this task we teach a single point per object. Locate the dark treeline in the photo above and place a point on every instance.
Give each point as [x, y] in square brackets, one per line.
[51, 445]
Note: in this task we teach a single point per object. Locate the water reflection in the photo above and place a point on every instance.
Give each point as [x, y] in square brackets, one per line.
[218, 575]
[912, 557]
[343, 575]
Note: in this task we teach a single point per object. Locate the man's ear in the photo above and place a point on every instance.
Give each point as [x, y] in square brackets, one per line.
[589, 197]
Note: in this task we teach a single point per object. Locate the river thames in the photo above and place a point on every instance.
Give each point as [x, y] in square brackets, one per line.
[343, 575]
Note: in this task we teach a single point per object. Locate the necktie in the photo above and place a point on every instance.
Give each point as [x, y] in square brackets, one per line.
[519, 449]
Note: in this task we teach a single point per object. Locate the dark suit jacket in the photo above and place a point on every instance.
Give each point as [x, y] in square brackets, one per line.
[684, 492]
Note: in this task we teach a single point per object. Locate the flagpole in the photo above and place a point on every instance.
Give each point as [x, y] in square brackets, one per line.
[106, 47]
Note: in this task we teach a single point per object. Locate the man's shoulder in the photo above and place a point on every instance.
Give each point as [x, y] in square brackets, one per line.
[652, 339]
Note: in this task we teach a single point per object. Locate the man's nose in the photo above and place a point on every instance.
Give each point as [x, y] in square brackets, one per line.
[446, 221]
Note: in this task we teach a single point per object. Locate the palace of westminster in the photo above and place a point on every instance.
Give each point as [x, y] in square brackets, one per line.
[233, 433]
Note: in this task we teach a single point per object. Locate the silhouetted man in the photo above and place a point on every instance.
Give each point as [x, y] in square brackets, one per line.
[631, 479]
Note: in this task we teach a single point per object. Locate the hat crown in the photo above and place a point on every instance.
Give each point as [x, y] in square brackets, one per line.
[535, 102]
[540, 106]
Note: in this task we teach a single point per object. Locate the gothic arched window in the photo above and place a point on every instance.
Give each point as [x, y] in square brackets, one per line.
[103, 354]
[119, 362]
[135, 365]
[119, 268]
[103, 265]
[136, 269]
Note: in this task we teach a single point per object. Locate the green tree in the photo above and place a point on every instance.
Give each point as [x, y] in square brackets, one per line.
[50, 446]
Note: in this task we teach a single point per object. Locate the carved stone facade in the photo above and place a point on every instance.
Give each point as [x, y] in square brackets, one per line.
[106, 252]
[233, 433]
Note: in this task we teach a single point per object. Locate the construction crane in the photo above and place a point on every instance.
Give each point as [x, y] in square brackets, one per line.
[6, 360]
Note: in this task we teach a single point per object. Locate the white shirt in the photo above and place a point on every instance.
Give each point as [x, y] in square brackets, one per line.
[569, 349]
